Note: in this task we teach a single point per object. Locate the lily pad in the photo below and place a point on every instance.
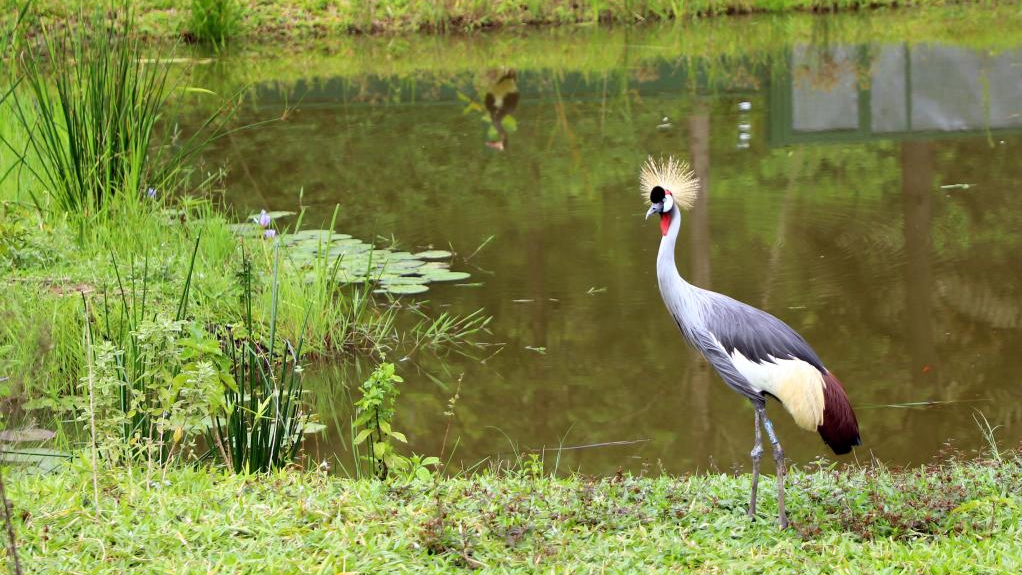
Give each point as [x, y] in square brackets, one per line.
[404, 280]
[401, 256]
[35, 459]
[314, 237]
[434, 255]
[313, 427]
[347, 249]
[358, 262]
[402, 264]
[446, 276]
[435, 266]
[273, 215]
[26, 435]
[402, 289]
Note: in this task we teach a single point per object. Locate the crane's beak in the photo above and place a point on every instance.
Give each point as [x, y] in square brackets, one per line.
[654, 209]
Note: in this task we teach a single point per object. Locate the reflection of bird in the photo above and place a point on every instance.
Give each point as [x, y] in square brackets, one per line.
[755, 353]
[501, 99]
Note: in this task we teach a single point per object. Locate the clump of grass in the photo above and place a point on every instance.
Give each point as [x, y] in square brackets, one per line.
[214, 21]
[263, 421]
[91, 112]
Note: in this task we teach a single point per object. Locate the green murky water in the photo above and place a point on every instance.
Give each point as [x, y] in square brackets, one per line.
[864, 190]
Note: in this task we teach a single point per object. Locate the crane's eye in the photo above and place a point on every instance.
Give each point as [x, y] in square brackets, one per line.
[656, 195]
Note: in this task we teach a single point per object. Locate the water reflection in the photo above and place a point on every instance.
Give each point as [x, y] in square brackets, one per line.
[917, 192]
[855, 93]
[837, 222]
[501, 100]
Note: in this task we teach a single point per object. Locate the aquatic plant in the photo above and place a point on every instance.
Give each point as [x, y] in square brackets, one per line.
[372, 428]
[356, 262]
[262, 421]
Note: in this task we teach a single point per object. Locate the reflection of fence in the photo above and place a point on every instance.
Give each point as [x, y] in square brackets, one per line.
[843, 94]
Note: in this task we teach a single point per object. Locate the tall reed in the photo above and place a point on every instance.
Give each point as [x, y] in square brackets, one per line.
[91, 109]
[263, 421]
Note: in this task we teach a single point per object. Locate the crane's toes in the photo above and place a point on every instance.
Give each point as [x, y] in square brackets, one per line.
[782, 523]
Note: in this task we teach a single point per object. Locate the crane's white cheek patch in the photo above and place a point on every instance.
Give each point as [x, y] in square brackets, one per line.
[797, 384]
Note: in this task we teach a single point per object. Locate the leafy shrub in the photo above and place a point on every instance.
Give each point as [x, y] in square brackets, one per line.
[150, 400]
[372, 424]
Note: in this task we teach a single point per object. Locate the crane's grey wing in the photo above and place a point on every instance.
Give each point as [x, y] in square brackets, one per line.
[714, 352]
[756, 334]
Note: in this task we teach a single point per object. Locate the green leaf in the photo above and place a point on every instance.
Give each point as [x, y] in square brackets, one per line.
[361, 437]
[399, 436]
[510, 124]
[228, 380]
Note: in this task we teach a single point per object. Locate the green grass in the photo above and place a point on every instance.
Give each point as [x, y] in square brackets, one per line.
[291, 18]
[214, 21]
[955, 517]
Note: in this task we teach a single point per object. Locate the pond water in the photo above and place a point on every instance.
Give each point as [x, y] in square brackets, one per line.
[861, 188]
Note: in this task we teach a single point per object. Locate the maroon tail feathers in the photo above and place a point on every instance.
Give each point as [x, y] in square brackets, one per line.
[839, 429]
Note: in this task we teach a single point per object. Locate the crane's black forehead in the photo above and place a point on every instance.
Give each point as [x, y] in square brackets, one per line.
[656, 195]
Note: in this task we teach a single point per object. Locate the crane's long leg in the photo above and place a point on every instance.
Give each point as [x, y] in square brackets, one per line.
[782, 517]
[757, 453]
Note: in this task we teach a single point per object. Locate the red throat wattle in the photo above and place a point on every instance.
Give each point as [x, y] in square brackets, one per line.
[665, 222]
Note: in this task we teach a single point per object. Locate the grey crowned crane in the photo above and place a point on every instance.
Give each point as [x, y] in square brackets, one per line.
[756, 354]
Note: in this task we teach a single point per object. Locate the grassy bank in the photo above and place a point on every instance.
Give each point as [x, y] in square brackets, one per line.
[955, 517]
[717, 46]
[137, 313]
[298, 18]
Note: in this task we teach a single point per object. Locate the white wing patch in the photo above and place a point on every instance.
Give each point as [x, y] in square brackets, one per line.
[797, 384]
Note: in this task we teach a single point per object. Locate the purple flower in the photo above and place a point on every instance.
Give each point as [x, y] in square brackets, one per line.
[263, 219]
[270, 233]
[151, 193]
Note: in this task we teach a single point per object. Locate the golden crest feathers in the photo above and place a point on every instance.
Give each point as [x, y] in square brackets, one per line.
[672, 175]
